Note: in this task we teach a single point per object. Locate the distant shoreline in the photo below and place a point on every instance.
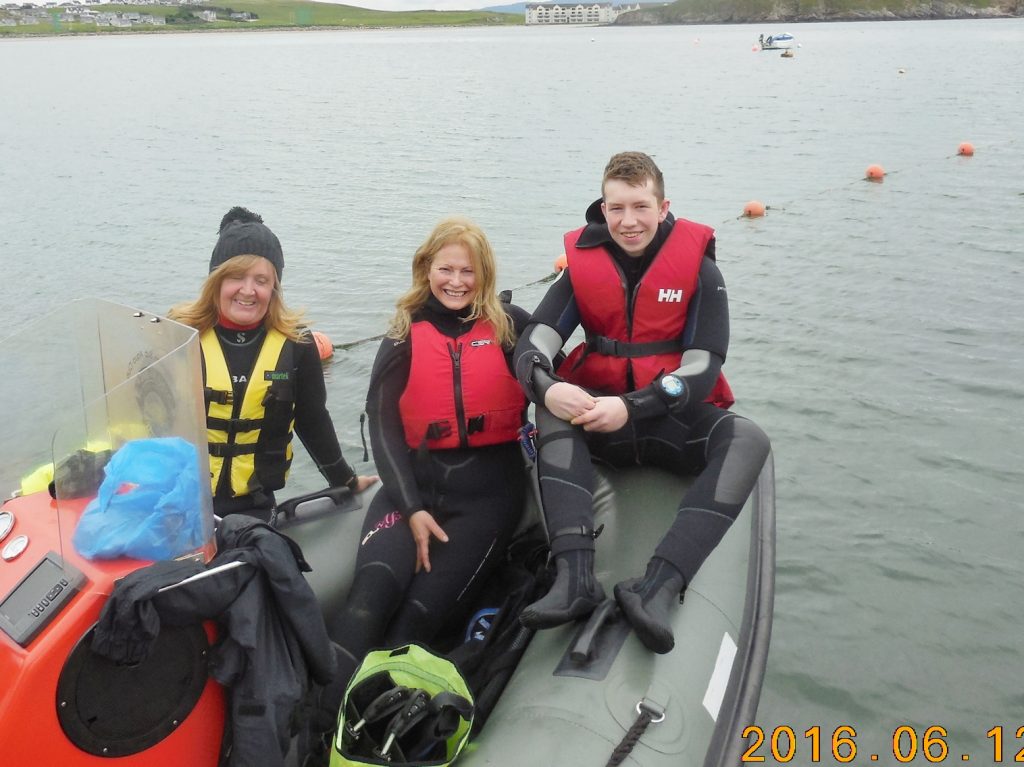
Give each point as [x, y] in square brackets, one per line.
[228, 16]
[241, 31]
[359, 19]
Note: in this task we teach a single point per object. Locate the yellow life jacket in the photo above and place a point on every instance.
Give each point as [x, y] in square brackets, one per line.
[251, 440]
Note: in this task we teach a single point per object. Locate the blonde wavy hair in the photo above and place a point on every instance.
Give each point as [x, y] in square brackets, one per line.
[203, 313]
[486, 304]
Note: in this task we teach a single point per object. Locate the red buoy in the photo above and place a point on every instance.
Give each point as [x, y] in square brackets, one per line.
[874, 173]
[323, 345]
[753, 209]
[966, 149]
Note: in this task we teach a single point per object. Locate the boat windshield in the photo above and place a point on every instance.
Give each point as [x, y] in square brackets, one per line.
[96, 389]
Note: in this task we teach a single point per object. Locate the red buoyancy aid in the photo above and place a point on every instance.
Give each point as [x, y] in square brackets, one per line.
[460, 391]
[653, 345]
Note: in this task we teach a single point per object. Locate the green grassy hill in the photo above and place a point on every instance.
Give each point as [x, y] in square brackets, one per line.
[269, 14]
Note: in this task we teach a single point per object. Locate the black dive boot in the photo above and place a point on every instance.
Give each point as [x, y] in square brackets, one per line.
[574, 594]
[647, 601]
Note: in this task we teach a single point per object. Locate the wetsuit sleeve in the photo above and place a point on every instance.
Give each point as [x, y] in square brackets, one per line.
[520, 319]
[549, 328]
[707, 316]
[313, 424]
[705, 343]
[387, 436]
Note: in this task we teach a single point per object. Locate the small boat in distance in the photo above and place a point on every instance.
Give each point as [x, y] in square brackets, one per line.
[779, 42]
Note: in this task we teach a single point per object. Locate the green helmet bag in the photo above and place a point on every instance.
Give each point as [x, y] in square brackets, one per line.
[406, 707]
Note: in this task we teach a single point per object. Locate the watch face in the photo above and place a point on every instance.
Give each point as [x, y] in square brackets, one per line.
[672, 385]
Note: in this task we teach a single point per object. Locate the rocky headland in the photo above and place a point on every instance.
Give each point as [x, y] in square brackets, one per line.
[755, 11]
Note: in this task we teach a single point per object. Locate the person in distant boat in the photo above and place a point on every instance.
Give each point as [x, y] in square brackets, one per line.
[262, 374]
[444, 411]
[645, 388]
[760, 40]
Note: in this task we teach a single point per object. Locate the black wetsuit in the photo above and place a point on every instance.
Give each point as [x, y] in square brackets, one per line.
[313, 423]
[475, 494]
[724, 450]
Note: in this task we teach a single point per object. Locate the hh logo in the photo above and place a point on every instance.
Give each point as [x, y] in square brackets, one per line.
[669, 295]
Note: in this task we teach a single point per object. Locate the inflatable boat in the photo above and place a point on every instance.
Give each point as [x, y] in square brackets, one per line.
[579, 693]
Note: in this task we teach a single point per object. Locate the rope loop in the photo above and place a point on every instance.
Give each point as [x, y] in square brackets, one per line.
[647, 714]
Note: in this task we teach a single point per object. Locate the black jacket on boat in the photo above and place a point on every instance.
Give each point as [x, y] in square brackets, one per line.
[273, 639]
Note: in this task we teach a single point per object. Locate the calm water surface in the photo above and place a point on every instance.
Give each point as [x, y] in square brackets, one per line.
[875, 326]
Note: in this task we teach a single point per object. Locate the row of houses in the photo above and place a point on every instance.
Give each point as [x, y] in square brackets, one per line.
[65, 16]
[51, 4]
[578, 13]
[81, 15]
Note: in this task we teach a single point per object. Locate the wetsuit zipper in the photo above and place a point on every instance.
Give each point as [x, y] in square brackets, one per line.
[455, 352]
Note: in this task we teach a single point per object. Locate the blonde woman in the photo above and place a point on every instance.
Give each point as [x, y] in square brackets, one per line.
[444, 411]
[261, 374]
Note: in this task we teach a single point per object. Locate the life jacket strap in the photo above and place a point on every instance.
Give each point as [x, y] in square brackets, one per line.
[224, 450]
[611, 347]
[234, 425]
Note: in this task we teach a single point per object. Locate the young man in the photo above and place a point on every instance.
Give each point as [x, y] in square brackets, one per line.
[645, 388]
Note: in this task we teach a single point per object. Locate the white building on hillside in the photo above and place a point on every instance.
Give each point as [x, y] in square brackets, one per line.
[575, 13]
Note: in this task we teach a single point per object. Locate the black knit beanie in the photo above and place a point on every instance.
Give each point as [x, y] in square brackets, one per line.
[242, 233]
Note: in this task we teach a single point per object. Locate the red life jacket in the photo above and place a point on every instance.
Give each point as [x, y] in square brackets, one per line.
[653, 345]
[460, 391]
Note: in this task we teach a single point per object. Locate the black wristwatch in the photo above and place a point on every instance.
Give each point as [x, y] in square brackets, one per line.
[672, 386]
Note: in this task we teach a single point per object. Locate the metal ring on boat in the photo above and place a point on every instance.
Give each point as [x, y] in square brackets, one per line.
[640, 708]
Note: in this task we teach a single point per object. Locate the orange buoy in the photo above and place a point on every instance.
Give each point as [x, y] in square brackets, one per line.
[966, 149]
[560, 263]
[323, 345]
[753, 209]
[874, 173]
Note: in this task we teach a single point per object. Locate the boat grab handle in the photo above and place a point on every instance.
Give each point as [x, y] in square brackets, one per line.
[583, 648]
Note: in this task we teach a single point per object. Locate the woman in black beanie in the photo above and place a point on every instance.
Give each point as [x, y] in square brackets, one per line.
[261, 374]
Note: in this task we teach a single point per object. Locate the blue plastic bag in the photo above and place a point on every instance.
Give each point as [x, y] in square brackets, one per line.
[148, 505]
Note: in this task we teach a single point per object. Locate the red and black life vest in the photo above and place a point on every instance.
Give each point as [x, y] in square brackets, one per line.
[460, 391]
[651, 342]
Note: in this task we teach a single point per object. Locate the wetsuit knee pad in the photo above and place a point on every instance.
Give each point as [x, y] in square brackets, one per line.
[746, 451]
[751, 439]
[413, 623]
[372, 584]
[371, 602]
[559, 447]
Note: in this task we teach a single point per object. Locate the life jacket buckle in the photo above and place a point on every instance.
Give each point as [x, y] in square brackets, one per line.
[439, 430]
[219, 396]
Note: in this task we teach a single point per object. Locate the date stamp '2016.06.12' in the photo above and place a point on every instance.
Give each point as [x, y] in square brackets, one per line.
[782, 745]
